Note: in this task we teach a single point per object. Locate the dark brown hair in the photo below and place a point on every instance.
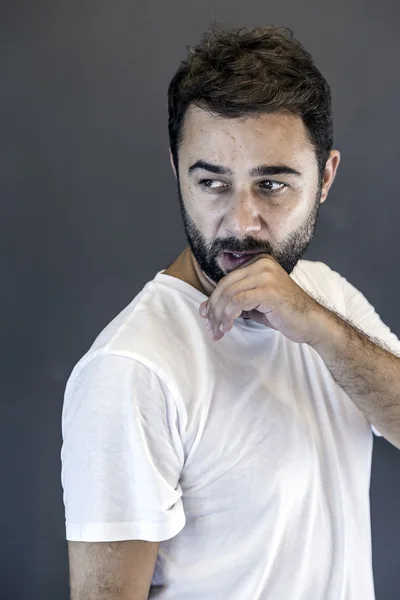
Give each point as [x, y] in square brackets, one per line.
[247, 71]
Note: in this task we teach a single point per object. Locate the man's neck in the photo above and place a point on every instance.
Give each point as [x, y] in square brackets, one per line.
[186, 268]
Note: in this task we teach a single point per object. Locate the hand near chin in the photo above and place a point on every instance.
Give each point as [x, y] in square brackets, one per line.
[262, 290]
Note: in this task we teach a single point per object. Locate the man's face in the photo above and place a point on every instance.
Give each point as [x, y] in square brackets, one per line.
[238, 211]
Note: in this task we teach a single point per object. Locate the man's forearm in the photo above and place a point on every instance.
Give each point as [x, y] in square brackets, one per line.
[369, 374]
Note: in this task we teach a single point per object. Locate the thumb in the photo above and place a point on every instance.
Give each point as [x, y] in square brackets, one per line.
[259, 317]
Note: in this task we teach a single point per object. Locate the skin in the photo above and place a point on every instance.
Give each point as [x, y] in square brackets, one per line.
[275, 215]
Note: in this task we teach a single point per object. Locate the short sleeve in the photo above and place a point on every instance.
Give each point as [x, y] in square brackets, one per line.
[121, 453]
[375, 431]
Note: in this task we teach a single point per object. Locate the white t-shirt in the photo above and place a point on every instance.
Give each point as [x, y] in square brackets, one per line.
[242, 456]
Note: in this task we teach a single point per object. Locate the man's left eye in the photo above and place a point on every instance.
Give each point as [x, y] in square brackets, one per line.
[271, 182]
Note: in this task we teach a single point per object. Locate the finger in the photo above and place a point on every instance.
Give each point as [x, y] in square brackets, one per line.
[216, 311]
[250, 267]
[247, 299]
[261, 318]
[221, 288]
[203, 309]
[230, 305]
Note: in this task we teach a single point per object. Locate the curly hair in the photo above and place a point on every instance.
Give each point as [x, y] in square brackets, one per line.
[246, 71]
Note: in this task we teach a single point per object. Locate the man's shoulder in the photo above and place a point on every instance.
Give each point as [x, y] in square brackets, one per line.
[145, 331]
[316, 269]
[320, 281]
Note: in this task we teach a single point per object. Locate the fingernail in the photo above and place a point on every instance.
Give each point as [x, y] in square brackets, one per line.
[209, 326]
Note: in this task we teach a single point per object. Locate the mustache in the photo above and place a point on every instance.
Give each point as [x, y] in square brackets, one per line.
[251, 250]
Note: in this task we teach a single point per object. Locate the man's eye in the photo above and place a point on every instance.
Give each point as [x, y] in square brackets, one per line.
[205, 182]
[208, 184]
[278, 183]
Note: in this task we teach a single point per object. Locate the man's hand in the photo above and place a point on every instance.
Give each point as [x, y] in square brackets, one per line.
[261, 289]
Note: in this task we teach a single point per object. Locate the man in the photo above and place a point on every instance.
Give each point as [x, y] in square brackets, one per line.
[217, 435]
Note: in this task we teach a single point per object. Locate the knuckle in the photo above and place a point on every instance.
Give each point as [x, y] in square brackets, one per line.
[225, 294]
[267, 266]
[236, 299]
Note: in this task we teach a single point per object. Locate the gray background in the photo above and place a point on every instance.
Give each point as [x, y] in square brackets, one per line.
[90, 214]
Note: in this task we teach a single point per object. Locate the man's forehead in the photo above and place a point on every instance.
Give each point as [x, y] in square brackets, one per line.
[195, 115]
[276, 127]
[282, 135]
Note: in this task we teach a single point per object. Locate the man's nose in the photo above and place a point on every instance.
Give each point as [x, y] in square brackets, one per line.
[242, 217]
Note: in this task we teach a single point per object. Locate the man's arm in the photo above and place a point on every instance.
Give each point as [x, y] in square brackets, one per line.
[111, 570]
[368, 373]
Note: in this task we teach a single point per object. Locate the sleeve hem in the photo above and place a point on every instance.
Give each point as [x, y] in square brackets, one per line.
[115, 532]
[375, 431]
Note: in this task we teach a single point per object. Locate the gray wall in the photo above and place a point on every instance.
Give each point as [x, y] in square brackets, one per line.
[90, 214]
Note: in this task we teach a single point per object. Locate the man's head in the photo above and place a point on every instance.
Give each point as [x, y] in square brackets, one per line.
[249, 98]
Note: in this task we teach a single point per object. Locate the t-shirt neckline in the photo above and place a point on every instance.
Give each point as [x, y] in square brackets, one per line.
[189, 290]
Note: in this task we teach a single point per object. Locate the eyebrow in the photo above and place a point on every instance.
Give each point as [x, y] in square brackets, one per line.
[260, 171]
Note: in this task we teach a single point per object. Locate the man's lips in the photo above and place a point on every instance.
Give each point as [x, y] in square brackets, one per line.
[242, 253]
[230, 261]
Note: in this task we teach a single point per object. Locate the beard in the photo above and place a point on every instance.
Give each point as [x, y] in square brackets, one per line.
[207, 253]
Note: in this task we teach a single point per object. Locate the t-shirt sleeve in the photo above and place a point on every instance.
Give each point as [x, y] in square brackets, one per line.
[375, 431]
[361, 313]
[121, 454]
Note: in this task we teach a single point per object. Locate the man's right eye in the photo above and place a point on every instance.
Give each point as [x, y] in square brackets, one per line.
[206, 183]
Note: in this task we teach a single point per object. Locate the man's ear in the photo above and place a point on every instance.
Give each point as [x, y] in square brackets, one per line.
[172, 162]
[329, 173]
